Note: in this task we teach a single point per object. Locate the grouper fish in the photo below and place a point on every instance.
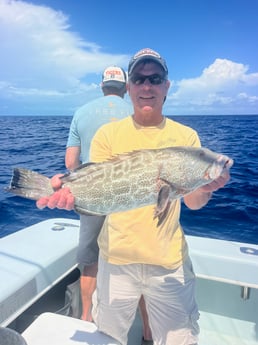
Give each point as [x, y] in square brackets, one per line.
[130, 180]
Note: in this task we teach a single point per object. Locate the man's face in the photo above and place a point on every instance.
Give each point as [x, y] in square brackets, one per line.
[148, 94]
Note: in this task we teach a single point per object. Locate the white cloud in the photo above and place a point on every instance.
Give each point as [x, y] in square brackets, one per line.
[221, 87]
[48, 68]
[42, 57]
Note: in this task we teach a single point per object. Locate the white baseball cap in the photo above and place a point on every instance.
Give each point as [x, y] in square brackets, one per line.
[114, 76]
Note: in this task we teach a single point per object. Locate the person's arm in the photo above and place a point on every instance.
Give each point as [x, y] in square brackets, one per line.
[72, 157]
[73, 145]
[62, 197]
[202, 195]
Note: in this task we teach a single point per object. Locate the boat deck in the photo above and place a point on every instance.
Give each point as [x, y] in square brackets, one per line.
[63, 330]
[35, 259]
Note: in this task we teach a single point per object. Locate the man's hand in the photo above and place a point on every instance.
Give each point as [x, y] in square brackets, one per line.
[202, 195]
[62, 198]
[215, 185]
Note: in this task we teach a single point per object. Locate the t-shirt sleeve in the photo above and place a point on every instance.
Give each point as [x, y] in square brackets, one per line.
[194, 139]
[73, 137]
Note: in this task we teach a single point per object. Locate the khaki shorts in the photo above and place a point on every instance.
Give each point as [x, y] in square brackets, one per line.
[169, 297]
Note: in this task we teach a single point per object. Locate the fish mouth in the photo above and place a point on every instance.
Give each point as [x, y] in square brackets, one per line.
[228, 162]
[221, 164]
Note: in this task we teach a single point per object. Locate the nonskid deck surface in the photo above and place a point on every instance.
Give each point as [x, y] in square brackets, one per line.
[213, 338]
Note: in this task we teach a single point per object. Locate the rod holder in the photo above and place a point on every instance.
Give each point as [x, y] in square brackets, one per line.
[245, 292]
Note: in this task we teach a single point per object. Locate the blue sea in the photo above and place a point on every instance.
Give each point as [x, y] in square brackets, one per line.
[38, 143]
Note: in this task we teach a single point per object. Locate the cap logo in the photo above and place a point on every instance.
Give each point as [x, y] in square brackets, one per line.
[113, 73]
[148, 52]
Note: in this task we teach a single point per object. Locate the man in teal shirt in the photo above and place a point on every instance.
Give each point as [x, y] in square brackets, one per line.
[86, 120]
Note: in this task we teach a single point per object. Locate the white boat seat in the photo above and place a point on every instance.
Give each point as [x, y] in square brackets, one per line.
[54, 329]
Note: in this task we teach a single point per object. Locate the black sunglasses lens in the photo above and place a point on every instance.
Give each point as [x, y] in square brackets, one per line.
[154, 79]
[137, 79]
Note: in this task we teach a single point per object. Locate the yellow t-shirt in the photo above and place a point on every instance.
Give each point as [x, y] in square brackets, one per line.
[133, 236]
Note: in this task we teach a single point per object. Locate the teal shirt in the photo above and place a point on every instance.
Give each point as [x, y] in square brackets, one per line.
[88, 118]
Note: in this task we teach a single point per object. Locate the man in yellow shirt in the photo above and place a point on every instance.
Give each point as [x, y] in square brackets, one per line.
[136, 257]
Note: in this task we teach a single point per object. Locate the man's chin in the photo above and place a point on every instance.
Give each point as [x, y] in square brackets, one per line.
[147, 108]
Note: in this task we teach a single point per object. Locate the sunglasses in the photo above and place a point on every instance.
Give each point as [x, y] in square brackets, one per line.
[154, 79]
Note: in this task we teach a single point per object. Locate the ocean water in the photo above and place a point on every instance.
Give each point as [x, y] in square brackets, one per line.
[38, 143]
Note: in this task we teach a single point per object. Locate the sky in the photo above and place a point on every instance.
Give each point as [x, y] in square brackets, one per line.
[53, 52]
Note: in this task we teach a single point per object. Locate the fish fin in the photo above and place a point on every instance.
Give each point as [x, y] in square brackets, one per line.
[162, 216]
[175, 190]
[126, 155]
[81, 210]
[163, 204]
[29, 184]
[72, 175]
[84, 165]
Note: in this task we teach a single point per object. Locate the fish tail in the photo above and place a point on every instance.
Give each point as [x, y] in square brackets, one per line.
[29, 184]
